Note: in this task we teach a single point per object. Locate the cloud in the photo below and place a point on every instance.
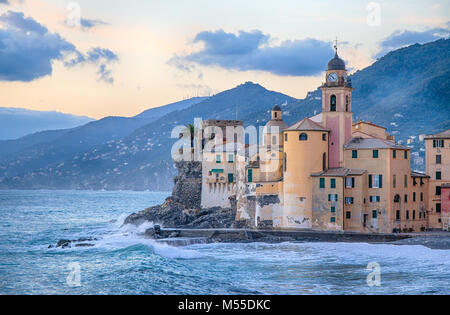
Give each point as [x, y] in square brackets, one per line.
[88, 23]
[4, 2]
[96, 56]
[28, 50]
[247, 51]
[404, 38]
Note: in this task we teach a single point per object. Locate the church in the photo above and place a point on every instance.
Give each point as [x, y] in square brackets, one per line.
[330, 173]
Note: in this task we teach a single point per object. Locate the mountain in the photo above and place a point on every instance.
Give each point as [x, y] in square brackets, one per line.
[164, 110]
[406, 91]
[18, 122]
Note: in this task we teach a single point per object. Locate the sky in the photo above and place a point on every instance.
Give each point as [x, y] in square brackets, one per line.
[118, 58]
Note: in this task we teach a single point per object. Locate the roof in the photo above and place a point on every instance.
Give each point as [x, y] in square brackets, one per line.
[418, 174]
[339, 172]
[446, 185]
[442, 135]
[306, 125]
[271, 124]
[276, 108]
[336, 63]
[368, 123]
[317, 118]
[372, 143]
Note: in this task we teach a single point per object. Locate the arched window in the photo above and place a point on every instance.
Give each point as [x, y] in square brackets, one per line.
[397, 198]
[333, 103]
[346, 103]
[324, 162]
[303, 137]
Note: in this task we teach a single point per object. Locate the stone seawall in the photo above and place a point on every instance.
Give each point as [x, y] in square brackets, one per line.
[173, 236]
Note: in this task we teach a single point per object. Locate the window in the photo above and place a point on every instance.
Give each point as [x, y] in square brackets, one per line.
[250, 176]
[274, 140]
[375, 154]
[438, 175]
[275, 114]
[374, 214]
[406, 181]
[349, 182]
[348, 215]
[407, 214]
[376, 181]
[397, 215]
[324, 161]
[346, 103]
[332, 197]
[438, 190]
[230, 158]
[230, 178]
[414, 214]
[332, 219]
[414, 196]
[354, 154]
[406, 198]
[285, 137]
[414, 181]
[348, 200]
[374, 198]
[438, 208]
[397, 198]
[333, 209]
[394, 181]
[303, 137]
[394, 154]
[438, 143]
[218, 158]
[406, 155]
[438, 159]
[285, 162]
[324, 137]
[421, 196]
[322, 183]
[333, 183]
[333, 103]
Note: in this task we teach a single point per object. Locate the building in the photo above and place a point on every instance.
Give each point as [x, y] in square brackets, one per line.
[330, 173]
[220, 162]
[437, 148]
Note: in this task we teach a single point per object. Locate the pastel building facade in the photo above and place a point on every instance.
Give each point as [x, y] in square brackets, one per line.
[329, 173]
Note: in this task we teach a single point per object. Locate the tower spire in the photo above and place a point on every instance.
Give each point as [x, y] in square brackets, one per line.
[336, 45]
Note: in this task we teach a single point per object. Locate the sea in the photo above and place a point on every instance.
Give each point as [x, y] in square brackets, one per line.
[122, 261]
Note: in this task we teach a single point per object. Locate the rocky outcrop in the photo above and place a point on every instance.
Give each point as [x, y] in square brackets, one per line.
[188, 184]
[182, 208]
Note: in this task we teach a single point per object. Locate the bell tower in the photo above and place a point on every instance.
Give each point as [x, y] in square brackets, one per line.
[337, 109]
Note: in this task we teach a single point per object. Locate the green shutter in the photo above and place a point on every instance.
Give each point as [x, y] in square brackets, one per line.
[250, 176]
[333, 209]
[354, 154]
[370, 181]
[381, 181]
[230, 178]
[375, 154]
[322, 183]
[353, 182]
[333, 183]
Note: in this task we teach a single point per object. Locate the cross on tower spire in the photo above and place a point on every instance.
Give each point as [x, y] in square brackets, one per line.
[336, 45]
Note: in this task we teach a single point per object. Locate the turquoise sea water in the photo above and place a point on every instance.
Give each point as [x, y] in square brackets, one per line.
[123, 262]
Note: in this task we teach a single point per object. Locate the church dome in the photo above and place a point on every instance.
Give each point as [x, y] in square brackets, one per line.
[276, 108]
[336, 63]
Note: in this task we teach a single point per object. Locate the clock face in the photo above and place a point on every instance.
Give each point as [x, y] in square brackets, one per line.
[332, 77]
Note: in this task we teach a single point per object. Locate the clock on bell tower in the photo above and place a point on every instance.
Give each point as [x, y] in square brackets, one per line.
[337, 109]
